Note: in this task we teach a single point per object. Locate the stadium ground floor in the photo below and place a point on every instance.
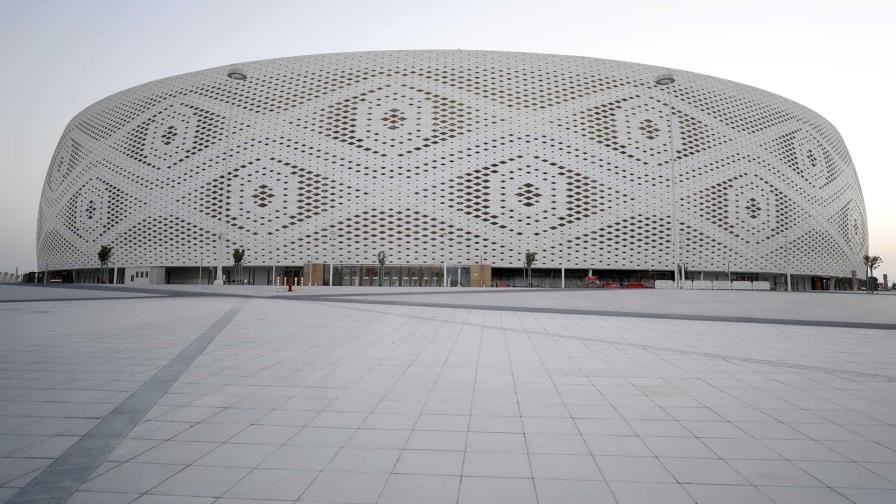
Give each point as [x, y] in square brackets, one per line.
[446, 275]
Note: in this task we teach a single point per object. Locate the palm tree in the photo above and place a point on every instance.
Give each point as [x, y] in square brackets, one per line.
[381, 258]
[530, 260]
[104, 255]
[871, 264]
[238, 256]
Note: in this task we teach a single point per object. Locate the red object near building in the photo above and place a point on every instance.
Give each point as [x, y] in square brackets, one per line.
[635, 285]
[611, 285]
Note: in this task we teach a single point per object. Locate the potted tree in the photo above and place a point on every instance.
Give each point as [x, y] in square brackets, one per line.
[871, 264]
[104, 255]
[238, 256]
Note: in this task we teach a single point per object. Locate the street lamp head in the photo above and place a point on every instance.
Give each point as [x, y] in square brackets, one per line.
[236, 75]
[664, 79]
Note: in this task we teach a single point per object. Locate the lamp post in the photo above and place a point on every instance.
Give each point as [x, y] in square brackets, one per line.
[235, 75]
[666, 80]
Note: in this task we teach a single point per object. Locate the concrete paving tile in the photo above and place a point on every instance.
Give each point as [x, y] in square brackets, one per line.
[237, 455]
[399, 421]
[706, 471]
[885, 469]
[604, 427]
[862, 451]
[407, 407]
[273, 484]
[678, 447]
[740, 449]
[410, 488]
[773, 472]
[571, 492]
[158, 430]
[845, 474]
[803, 450]
[617, 445]
[188, 414]
[543, 425]
[826, 432]
[173, 499]
[803, 495]
[770, 430]
[496, 442]
[11, 443]
[321, 436]
[576, 467]
[642, 493]
[506, 465]
[655, 428]
[48, 448]
[710, 429]
[130, 448]
[176, 452]
[242, 416]
[205, 481]
[378, 438]
[211, 432]
[287, 417]
[131, 477]
[342, 420]
[868, 495]
[485, 423]
[346, 487]
[437, 440]
[376, 460]
[569, 444]
[265, 434]
[478, 490]
[729, 494]
[643, 469]
[82, 497]
[442, 422]
[300, 457]
[434, 462]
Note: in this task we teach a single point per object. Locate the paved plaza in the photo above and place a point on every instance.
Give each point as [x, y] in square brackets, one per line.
[200, 395]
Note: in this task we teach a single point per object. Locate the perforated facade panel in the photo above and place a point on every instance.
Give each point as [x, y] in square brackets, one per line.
[449, 156]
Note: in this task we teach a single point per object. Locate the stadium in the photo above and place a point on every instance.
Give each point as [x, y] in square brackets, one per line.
[454, 165]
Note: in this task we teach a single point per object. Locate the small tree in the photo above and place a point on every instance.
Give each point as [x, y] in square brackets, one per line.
[871, 264]
[530, 260]
[238, 256]
[104, 255]
[381, 258]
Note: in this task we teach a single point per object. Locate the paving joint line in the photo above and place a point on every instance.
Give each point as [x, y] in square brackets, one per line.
[59, 480]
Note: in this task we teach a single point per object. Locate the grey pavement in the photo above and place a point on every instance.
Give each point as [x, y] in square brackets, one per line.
[843, 307]
[324, 401]
[26, 293]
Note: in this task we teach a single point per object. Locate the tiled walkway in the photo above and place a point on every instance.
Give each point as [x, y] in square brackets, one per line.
[331, 402]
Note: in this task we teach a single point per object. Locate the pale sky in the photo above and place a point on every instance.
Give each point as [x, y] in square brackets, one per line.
[838, 58]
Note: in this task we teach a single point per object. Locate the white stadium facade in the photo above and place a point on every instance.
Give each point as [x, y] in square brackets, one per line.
[454, 164]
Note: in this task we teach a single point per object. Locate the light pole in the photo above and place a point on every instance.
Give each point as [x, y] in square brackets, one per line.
[236, 75]
[666, 80]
